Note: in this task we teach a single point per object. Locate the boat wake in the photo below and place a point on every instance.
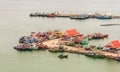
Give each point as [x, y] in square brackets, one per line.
[109, 24]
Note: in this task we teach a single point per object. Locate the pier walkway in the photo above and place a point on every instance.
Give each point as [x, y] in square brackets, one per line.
[78, 50]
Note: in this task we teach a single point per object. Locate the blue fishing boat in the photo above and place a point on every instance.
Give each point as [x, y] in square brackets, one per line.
[104, 16]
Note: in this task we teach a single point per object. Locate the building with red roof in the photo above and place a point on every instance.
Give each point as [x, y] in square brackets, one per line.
[72, 32]
[114, 44]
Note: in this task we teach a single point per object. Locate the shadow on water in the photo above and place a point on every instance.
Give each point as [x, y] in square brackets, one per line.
[70, 55]
[30, 51]
[109, 24]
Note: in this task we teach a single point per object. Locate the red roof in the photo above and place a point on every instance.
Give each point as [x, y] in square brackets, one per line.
[72, 32]
[115, 44]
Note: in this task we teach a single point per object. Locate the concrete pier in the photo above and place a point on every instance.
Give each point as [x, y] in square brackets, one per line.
[67, 15]
[80, 50]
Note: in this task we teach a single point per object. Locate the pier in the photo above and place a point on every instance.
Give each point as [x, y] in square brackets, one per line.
[79, 50]
[75, 16]
[69, 41]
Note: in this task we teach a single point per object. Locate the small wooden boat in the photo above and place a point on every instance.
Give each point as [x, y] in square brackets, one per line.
[33, 14]
[43, 47]
[85, 41]
[52, 50]
[94, 55]
[70, 44]
[91, 54]
[23, 49]
[117, 58]
[63, 56]
[38, 14]
[51, 15]
[98, 36]
[55, 50]
[64, 15]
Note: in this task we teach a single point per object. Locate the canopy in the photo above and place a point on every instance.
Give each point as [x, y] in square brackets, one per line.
[72, 32]
[115, 44]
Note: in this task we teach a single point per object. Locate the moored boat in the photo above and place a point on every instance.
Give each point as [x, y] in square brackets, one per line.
[25, 47]
[33, 14]
[81, 16]
[98, 36]
[117, 58]
[56, 49]
[42, 47]
[94, 55]
[52, 50]
[38, 14]
[85, 41]
[51, 15]
[104, 16]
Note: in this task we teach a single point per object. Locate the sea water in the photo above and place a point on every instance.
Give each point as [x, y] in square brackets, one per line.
[15, 22]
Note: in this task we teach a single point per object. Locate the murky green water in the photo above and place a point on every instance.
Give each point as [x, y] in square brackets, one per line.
[15, 22]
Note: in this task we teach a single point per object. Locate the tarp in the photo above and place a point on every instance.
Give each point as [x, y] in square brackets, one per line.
[72, 32]
[115, 44]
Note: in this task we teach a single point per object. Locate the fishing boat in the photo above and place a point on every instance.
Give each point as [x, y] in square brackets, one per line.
[52, 50]
[38, 14]
[33, 14]
[55, 50]
[42, 47]
[85, 41]
[80, 17]
[63, 56]
[94, 55]
[104, 16]
[117, 58]
[64, 15]
[24, 49]
[51, 15]
[98, 36]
